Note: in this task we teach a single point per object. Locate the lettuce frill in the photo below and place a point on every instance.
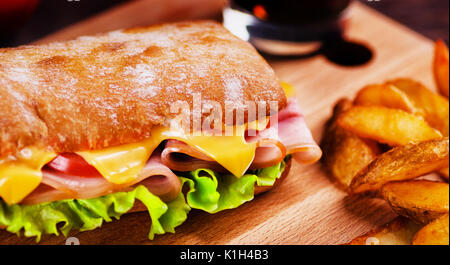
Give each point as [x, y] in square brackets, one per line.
[203, 189]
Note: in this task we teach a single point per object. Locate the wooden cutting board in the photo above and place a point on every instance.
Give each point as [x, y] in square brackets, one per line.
[307, 208]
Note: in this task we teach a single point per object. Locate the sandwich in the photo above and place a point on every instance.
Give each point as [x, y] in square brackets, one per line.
[164, 119]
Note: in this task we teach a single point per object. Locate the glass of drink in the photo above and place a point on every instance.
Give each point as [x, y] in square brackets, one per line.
[286, 27]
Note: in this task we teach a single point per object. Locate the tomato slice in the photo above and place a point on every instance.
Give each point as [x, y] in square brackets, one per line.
[73, 164]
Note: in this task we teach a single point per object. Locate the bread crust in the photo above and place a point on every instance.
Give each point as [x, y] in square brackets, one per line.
[111, 89]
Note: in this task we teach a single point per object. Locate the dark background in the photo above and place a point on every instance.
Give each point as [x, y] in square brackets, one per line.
[429, 17]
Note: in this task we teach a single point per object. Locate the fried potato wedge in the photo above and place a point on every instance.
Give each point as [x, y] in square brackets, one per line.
[384, 95]
[345, 153]
[420, 200]
[390, 126]
[433, 107]
[400, 231]
[444, 173]
[402, 163]
[435, 233]
[440, 66]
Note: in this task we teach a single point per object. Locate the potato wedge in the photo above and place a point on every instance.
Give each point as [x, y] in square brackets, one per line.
[420, 200]
[402, 163]
[440, 66]
[384, 95]
[435, 233]
[433, 107]
[400, 231]
[391, 126]
[341, 106]
[345, 153]
[444, 173]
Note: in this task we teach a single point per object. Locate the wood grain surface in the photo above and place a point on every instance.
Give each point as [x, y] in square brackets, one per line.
[307, 208]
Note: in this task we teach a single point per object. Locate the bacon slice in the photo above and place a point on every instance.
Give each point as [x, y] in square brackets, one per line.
[157, 177]
[289, 135]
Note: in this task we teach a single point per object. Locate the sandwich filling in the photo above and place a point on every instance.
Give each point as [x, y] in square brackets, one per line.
[219, 172]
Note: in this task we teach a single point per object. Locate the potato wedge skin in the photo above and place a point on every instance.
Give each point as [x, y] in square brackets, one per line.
[344, 152]
[399, 231]
[444, 173]
[441, 67]
[435, 233]
[433, 107]
[391, 126]
[402, 163]
[420, 200]
[384, 95]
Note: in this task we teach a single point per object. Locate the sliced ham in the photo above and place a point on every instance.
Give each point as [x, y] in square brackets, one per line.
[44, 193]
[157, 177]
[292, 131]
[288, 135]
[269, 152]
[180, 156]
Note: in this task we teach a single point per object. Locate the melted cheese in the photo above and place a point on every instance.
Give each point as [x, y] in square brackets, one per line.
[232, 152]
[289, 90]
[21, 175]
[121, 164]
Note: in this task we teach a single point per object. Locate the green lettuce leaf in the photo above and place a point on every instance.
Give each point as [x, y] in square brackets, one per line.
[213, 192]
[89, 214]
[205, 190]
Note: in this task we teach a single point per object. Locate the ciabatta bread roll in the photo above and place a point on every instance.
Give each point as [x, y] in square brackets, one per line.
[111, 89]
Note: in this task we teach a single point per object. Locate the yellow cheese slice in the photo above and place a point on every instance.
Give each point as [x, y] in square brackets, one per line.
[232, 152]
[21, 175]
[121, 164]
[289, 90]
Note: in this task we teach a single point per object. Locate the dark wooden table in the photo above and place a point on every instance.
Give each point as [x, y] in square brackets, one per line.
[429, 17]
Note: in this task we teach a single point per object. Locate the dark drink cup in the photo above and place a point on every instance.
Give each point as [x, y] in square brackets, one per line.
[286, 27]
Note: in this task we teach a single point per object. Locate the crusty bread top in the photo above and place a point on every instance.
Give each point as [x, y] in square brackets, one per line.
[110, 89]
